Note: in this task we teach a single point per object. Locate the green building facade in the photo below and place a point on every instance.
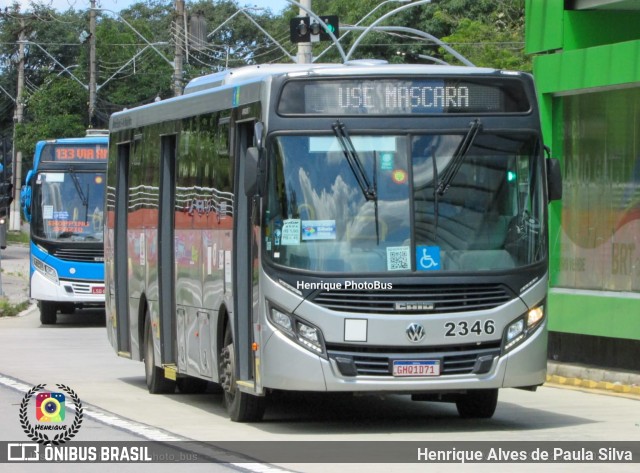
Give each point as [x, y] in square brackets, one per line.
[587, 72]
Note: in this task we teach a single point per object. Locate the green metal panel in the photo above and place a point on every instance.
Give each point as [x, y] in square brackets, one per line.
[602, 316]
[601, 66]
[553, 128]
[543, 25]
[585, 29]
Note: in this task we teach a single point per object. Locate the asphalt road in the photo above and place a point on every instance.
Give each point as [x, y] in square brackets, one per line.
[75, 352]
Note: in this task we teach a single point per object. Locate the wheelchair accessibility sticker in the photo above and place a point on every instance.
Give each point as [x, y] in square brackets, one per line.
[428, 258]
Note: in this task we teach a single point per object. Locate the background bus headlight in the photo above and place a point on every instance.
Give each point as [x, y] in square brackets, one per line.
[521, 328]
[298, 330]
[46, 270]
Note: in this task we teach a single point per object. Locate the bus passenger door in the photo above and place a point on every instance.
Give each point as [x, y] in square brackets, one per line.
[120, 250]
[166, 250]
[244, 257]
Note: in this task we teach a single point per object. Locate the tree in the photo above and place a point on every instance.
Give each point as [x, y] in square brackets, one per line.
[57, 110]
[488, 32]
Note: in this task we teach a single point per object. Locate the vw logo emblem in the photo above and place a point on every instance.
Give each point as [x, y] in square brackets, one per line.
[415, 332]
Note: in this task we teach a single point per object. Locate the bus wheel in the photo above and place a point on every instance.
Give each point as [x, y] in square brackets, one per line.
[156, 382]
[48, 313]
[478, 404]
[191, 385]
[242, 407]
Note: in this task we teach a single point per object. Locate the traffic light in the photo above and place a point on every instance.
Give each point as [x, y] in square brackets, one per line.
[303, 29]
[299, 30]
[332, 25]
[6, 196]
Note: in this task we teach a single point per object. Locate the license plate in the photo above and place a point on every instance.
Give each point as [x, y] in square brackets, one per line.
[97, 290]
[416, 367]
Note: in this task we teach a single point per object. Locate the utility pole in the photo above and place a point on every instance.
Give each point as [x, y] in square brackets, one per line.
[92, 65]
[18, 118]
[177, 60]
[304, 49]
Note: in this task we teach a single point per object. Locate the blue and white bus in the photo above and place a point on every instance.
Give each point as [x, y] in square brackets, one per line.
[63, 200]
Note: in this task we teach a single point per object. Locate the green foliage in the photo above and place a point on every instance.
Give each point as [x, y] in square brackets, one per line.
[486, 46]
[56, 110]
[8, 309]
[17, 237]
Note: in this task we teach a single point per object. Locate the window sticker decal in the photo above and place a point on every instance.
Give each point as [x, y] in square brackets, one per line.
[290, 232]
[386, 161]
[398, 258]
[318, 230]
[428, 258]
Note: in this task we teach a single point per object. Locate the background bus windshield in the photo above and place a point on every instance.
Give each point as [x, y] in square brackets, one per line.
[68, 206]
[319, 216]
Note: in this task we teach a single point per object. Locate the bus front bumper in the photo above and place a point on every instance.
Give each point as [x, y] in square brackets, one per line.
[67, 291]
[288, 366]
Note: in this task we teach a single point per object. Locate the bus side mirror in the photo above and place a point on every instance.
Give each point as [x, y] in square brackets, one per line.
[554, 179]
[251, 171]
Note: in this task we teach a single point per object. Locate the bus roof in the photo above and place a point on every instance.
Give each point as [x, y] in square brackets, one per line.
[258, 72]
[245, 85]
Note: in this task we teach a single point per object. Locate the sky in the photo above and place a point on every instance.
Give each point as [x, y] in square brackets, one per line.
[276, 6]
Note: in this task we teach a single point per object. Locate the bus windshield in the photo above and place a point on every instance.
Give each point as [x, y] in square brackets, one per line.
[68, 206]
[488, 216]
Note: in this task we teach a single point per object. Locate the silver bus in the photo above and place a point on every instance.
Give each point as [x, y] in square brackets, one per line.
[355, 228]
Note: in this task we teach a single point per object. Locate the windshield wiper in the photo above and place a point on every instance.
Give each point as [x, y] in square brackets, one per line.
[83, 197]
[350, 153]
[458, 157]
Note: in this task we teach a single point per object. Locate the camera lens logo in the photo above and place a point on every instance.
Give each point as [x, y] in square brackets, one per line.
[50, 407]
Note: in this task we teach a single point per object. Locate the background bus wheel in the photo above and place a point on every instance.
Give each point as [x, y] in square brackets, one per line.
[48, 313]
[478, 404]
[242, 407]
[156, 382]
[191, 385]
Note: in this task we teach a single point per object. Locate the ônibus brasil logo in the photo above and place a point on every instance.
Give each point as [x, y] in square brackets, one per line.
[52, 425]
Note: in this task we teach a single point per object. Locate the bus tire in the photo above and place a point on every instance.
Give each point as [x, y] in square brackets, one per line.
[154, 375]
[241, 406]
[48, 312]
[477, 404]
[191, 385]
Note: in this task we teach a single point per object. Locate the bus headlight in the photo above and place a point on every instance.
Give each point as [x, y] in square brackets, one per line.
[534, 316]
[522, 327]
[298, 330]
[46, 270]
[282, 320]
[309, 337]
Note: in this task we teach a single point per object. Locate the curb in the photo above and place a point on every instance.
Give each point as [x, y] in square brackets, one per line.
[606, 381]
[32, 305]
[616, 387]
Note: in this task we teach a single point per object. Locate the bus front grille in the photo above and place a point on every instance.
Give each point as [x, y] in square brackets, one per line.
[416, 299]
[377, 361]
[89, 255]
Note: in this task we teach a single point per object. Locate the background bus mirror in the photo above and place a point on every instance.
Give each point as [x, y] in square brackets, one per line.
[554, 179]
[251, 171]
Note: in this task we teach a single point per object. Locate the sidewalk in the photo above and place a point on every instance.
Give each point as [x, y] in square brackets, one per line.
[14, 278]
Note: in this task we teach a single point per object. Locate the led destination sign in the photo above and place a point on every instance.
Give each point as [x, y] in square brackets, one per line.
[65, 153]
[402, 96]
